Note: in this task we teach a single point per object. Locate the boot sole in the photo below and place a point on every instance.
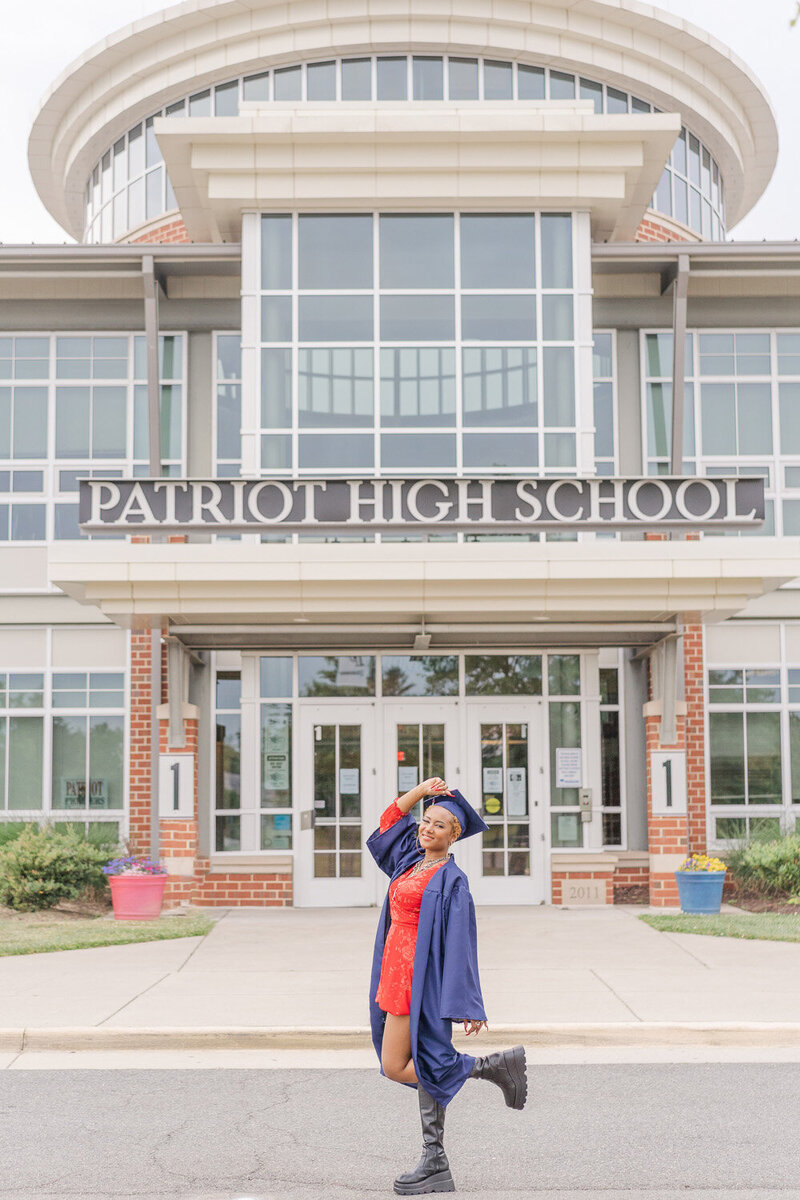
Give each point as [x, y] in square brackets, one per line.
[442, 1181]
[515, 1062]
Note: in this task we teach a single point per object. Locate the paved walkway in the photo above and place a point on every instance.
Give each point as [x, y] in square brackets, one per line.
[275, 978]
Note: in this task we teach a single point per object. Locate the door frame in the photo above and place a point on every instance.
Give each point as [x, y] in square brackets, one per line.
[520, 889]
[334, 893]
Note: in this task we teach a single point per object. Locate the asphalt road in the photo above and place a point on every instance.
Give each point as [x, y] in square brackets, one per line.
[725, 1131]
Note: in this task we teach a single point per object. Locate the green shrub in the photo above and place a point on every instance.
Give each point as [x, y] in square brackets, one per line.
[10, 830]
[40, 867]
[770, 867]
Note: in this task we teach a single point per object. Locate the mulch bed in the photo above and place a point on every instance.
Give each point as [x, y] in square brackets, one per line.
[753, 902]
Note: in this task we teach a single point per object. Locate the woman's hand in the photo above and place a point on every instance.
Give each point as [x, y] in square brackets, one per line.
[434, 786]
[475, 1027]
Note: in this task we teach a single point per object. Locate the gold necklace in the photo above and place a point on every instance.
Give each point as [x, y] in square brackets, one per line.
[423, 865]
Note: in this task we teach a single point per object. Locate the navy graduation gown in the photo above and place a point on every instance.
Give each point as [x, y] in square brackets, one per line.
[445, 986]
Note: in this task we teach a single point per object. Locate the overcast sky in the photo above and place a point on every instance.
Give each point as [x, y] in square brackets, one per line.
[41, 37]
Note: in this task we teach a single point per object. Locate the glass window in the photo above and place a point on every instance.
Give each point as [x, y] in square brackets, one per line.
[336, 387]
[335, 252]
[72, 422]
[416, 251]
[417, 318]
[590, 90]
[276, 318]
[530, 82]
[503, 674]
[562, 87]
[392, 78]
[335, 318]
[256, 87]
[336, 675]
[226, 99]
[428, 78]
[557, 325]
[497, 251]
[30, 423]
[497, 80]
[323, 452]
[276, 253]
[200, 104]
[616, 101]
[559, 386]
[565, 733]
[564, 674]
[275, 676]
[501, 450]
[414, 452]
[419, 675]
[499, 386]
[276, 388]
[498, 318]
[288, 83]
[463, 78]
[321, 81]
[276, 763]
[418, 386]
[356, 79]
[25, 761]
[556, 250]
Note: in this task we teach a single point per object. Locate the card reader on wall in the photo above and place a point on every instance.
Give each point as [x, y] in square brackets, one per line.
[585, 801]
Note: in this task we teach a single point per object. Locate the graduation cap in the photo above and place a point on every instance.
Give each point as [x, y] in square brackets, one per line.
[470, 821]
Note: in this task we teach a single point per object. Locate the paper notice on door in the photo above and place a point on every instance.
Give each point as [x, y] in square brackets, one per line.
[275, 750]
[349, 781]
[567, 828]
[568, 767]
[516, 791]
[492, 779]
[407, 778]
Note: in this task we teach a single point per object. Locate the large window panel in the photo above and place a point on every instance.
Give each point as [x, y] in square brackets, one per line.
[498, 251]
[499, 386]
[418, 386]
[416, 251]
[25, 760]
[334, 252]
[336, 387]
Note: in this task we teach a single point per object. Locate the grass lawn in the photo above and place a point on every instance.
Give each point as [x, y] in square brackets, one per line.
[768, 926]
[43, 932]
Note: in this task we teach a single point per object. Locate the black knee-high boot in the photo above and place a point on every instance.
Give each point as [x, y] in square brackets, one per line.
[432, 1172]
[506, 1068]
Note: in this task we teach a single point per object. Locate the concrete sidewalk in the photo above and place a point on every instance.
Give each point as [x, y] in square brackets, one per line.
[297, 978]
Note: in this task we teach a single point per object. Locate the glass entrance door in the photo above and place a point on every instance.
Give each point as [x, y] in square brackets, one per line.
[338, 806]
[421, 741]
[507, 864]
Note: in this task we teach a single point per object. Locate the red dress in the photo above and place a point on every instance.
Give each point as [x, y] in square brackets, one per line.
[405, 898]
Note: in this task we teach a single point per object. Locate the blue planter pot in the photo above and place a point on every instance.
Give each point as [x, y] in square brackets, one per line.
[700, 891]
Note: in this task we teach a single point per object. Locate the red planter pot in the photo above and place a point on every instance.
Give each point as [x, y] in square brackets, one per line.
[137, 897]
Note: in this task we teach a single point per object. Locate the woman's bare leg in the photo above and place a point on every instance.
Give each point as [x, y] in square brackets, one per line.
[396, 1050]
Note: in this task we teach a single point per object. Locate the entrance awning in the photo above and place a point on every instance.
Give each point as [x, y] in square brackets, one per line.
[484, 593]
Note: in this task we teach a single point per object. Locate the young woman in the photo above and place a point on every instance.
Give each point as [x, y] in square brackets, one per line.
[425, 971]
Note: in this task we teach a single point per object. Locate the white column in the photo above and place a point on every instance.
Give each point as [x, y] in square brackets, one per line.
[251, 404]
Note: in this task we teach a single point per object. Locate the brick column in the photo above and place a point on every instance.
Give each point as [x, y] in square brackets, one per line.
[671, 838]
[139, 785]
[178, 835]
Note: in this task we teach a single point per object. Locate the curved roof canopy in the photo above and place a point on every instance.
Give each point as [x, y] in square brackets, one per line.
[160, 58]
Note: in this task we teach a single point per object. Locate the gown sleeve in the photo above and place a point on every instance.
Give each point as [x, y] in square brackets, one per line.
[461, 988]
[395, 837]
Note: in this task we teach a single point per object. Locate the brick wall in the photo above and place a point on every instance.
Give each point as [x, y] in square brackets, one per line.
[172, 230]
[653, 230]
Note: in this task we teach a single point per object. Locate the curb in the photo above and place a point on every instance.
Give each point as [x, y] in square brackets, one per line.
[639, 1033]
